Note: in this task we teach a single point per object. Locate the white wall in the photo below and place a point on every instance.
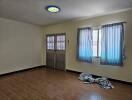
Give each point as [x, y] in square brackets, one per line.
[20, 45]
[70, 28]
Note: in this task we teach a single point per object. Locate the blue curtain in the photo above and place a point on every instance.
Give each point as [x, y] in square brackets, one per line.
[112, 44]
[84, 44]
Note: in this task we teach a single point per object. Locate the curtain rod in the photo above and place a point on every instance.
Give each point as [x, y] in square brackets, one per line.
[124, 22]
[114, 23]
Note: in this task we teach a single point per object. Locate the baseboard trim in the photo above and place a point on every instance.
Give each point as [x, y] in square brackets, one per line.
[22, 70]
[120, 81]
[72, 71]
[114, 80]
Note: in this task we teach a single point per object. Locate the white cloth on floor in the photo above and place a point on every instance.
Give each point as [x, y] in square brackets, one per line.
[102, 81]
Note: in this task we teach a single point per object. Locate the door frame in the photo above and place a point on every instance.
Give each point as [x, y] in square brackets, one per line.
[55, 34]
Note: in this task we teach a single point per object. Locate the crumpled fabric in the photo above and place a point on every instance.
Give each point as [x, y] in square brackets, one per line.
[103, 82]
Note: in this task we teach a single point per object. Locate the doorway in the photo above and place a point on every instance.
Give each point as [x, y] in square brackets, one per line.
[55, 51]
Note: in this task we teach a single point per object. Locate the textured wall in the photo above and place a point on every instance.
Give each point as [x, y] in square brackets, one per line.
[20, 45]
[70, 28]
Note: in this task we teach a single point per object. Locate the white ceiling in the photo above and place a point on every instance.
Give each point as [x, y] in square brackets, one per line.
[32, 11]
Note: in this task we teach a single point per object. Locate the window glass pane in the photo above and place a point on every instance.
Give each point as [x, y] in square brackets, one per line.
[58, 46]
[61, 42]
[95, 51]
[50, 42]
[63, 46]
[100, 36]
[95, 35]
[95, 44]
[61, 38]
[52, 46]
[50, 39]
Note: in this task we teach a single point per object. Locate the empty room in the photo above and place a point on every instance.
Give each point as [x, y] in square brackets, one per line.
[65, 49]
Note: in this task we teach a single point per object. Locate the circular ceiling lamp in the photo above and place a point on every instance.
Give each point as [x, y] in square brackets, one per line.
[52, 8]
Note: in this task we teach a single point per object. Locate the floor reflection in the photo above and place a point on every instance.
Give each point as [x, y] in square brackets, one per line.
[91, 96]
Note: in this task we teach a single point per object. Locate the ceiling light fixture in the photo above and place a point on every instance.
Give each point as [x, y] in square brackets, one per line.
[52, 8]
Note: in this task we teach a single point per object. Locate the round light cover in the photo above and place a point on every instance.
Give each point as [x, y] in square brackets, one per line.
[52, 9]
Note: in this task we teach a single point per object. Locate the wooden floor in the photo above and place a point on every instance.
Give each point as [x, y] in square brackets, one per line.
[46, 84]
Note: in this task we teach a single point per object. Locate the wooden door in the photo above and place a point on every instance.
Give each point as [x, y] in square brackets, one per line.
[55, 53]
[60, 51]
[50, 51]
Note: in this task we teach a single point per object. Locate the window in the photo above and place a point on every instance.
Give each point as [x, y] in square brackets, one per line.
[85, 44]
[89, 44]
[50, 42]
[61, 42]
[106, 43]
[112, 44]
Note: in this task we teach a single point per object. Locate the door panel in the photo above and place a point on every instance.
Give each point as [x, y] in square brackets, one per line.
[60, 60]
[55, 51]
[50, 59]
